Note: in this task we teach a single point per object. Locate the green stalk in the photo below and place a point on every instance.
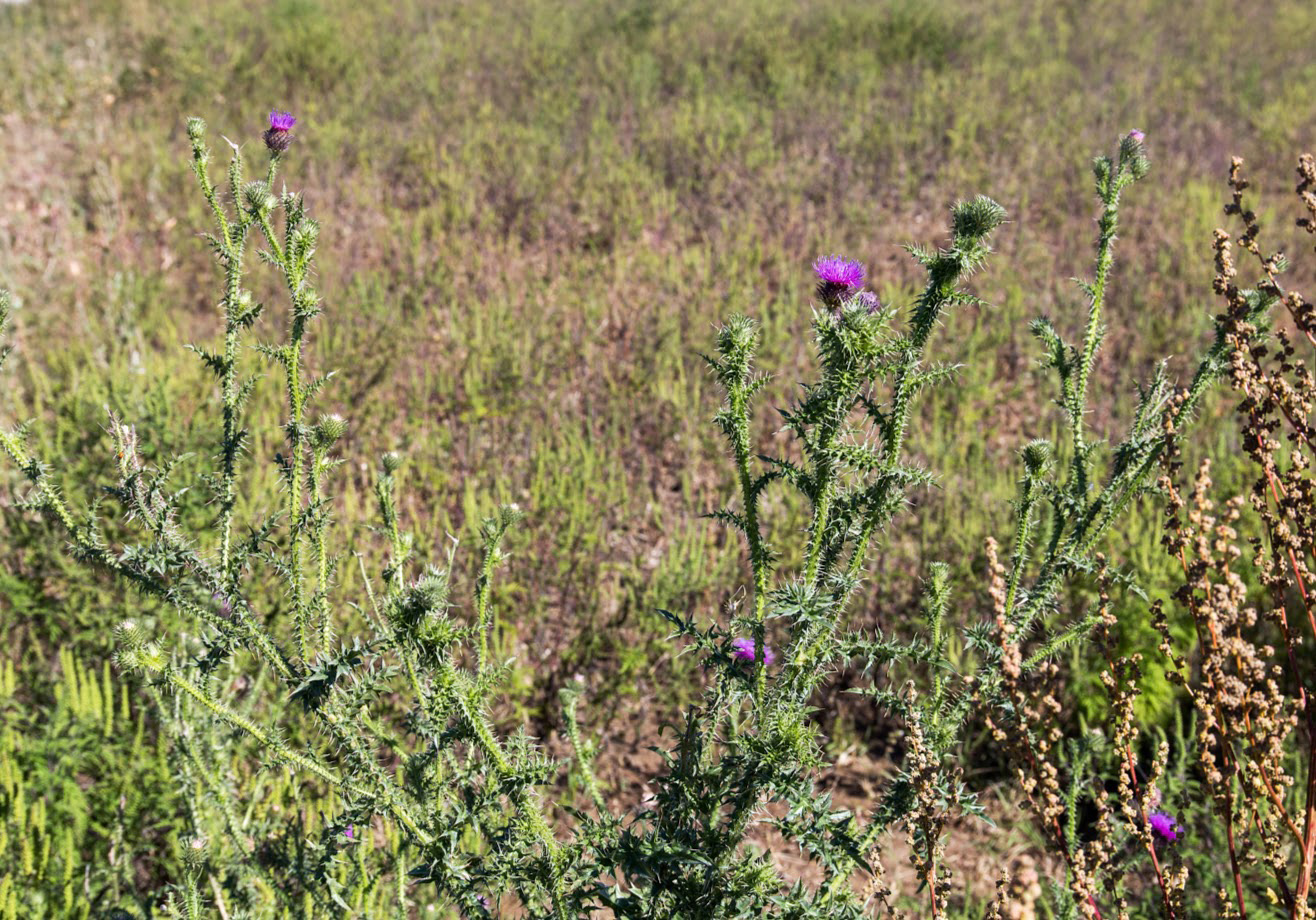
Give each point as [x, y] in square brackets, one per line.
[320, 547]
[1022, 534]
[1109, 221]
[292, 361]
[483, 607]
[758, 556]
[526, 801]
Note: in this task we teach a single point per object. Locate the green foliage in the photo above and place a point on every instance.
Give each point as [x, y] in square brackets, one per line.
[85, 794]
[386, 714]
[536, 250]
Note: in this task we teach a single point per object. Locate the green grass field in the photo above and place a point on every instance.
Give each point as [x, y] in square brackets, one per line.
[535, 213]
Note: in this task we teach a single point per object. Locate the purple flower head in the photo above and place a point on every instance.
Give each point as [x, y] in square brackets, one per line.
[743, 650]
[1137, 136]
[350, 832]
[281, 121]
[1165, 827]
[279, 137]
[836, 277]
[836, 270]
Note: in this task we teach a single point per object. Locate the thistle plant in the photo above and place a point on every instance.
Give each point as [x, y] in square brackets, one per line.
[379, 705]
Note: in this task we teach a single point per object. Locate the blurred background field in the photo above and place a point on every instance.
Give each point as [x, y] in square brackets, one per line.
[534, 213]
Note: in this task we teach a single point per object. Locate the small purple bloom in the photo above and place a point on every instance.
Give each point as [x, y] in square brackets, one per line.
[743, 650]
[281, 121]
[1165, 827]
[279, 137]
[1137, 136]
[838, 271]
[350, 832]
[837, 278]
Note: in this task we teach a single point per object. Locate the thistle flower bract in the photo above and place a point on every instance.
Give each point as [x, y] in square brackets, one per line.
[223, 605]
[1165, 827]
[868, 300]
[279, 136]
[837, 277]
[743, 650]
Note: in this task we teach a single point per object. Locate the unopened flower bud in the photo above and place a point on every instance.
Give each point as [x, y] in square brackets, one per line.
[195, 851]
[1133, 153]
[392, 462]
[329, 429]
[258, 197]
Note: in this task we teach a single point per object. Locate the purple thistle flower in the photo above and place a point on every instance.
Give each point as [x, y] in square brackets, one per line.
[836, 277]
[279, 137]
[282, 121]
[1165, 827]
[743, 650]
[1137, 136]
[350, 832]
[836, 270]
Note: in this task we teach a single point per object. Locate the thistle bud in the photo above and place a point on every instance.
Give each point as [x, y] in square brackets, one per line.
[1036, 456]
[196, 129]
[129, 635]
[258, 197]
[976, 218]
[279, 137]
[392, 462]
[195, 852]
[329, 429]
[1133, 153]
